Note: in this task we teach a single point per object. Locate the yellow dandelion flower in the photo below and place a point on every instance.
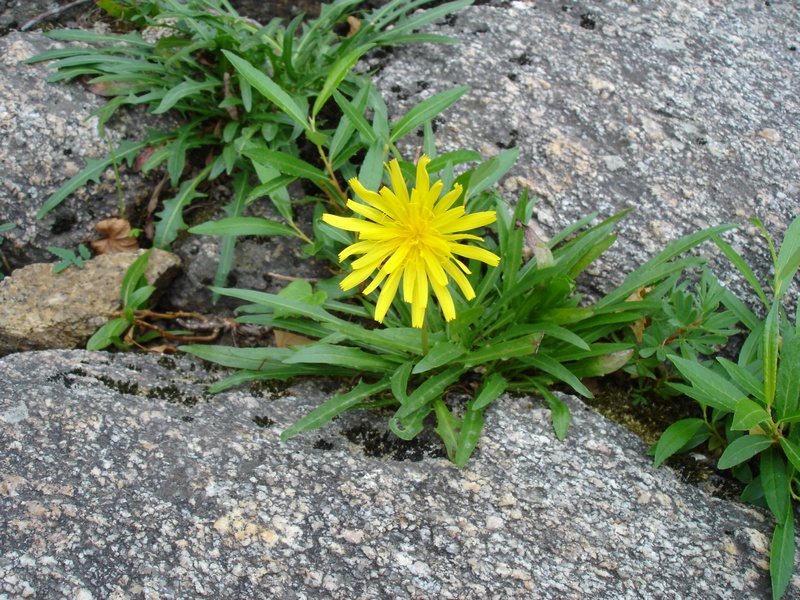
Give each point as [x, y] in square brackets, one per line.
[414, 238]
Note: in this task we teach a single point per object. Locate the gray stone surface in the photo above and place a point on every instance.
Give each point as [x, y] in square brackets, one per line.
[684, 111]
[120, 478]
[40, 309]
[47, 136]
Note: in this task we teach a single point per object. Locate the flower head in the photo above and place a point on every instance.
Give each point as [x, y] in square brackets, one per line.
[412, 239]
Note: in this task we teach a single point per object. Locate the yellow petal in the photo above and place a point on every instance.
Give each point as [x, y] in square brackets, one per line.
[376, 282]
[471, 221]
[350, 224]
[422, 184]
[434, 268]
[476, 253]
[372, 214]
[372, 198]
[449, 217]
[388, 293]
[355, 278]
[445, 300]
[375, 257]
[409, 280]
[398, 183]
[396, 259]
[357, 248]
[447, 200]
[460, 279]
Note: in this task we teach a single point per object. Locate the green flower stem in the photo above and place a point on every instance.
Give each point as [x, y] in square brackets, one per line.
[424, 336]
[300, 233]
[329, 167]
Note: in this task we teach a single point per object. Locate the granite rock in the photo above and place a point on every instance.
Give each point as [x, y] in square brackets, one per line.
[683, 111]
[40, 309]
[121, 478]
[47, 137]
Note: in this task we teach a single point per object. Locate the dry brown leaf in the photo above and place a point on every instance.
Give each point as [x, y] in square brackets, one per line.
[639, 326]
[284, 339]
[355, 25]
[118, 239]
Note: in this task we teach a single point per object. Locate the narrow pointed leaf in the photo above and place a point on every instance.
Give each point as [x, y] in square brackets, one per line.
[471, 429]
[233, 226]
[337, 73]
[748, 414]
[426, 110]
[781, 558]
[676, 437]
[94, 169]
[262, 83]
[776, 484]
[322, 415]
[342, 356]
[491, 390]
[743, 449]
[448, 427]
[441, 354]
[715, 390]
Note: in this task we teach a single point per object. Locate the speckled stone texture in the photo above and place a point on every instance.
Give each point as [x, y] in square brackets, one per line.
[41, 310]
[46, 137]
[684, 111]
[120, 478]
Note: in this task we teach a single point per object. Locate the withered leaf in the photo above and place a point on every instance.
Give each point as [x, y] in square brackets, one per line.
[284, 339]
[118, 239]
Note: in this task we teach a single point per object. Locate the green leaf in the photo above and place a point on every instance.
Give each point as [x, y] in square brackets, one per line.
[342, 356]
[787, 389]
[781, 558]
[456, 157]
[134, 277]
[748, 414]
[471, 428]
[251, 359]
[655, 269]
[356, 117]
[737, 261]
[743, 378]
[171, 221]
[108, 334]
[337, 73]
[242, 226]
[138, 299]
[285, 163]
[743, 449]
[338, 404]
[560, 414]
[675, 438]
[441, 354]
[399, 380]
[431, 388]
[559, 371]
[770, 344]
[714, 390]
[448, 427]
[792, 451]
[502, 351]
[269, 89]
[776, 484]
[274, 301]
[408, 426]
[93, 171]
[487, 174]
[181, 91]
[426, 110]
[491, 390]
[371, 171]
[788, 259]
